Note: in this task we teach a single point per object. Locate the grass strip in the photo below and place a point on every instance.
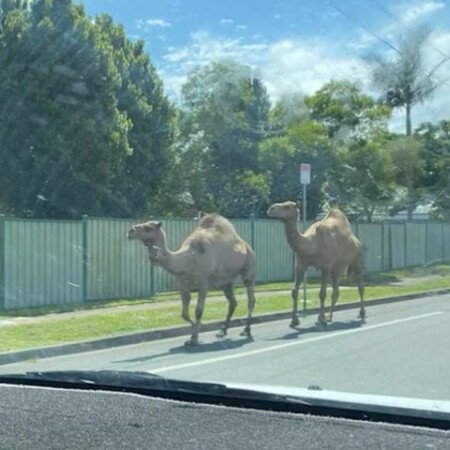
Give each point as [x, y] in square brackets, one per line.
[106, 323]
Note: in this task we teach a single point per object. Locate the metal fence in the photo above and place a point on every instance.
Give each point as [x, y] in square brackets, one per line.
[68, 262]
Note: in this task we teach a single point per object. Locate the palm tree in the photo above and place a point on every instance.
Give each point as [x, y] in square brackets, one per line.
[402, 78]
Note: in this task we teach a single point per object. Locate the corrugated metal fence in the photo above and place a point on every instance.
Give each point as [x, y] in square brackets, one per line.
[67, 262]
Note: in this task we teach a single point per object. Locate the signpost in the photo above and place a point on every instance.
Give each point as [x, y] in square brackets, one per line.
[305, 179]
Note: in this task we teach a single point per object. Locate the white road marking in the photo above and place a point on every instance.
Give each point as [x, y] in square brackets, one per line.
[256, 325]
[291, 344]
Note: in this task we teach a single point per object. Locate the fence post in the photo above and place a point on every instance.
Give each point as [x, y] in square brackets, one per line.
[152, 281]
[85, 257]
[382, 247]
[390, 246]
[252, 230]
[443, 241]
[2, 262]
[405, 244]
[426, 243]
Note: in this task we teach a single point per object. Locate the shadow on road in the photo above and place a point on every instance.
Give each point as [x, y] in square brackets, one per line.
[334, 326]
[219, 345]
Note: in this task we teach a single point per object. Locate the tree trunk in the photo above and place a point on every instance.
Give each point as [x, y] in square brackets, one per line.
[411, 205]
[410, 212]
[408, 119]
[369, 214]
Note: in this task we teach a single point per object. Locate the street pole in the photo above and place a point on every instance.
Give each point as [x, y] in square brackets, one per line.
[305, 179]
[305, 276]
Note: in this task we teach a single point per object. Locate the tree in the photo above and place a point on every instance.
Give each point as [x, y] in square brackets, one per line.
[346, 111]
[145, 175]
[435, 142]
[223, 118]
[359, 177]
[79, 104]
[362, 181]
[290, 108]
[62, 138]
[402, 77]
[302, 141]
[408, 166]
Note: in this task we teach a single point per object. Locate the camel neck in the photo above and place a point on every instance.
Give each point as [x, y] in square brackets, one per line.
[168, 259]
[295, 239]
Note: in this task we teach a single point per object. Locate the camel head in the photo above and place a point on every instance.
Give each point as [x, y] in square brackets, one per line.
[150, 233]
[284, 211]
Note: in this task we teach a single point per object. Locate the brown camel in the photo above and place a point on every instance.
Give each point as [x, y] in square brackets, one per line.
[212, 256]
[330, 246]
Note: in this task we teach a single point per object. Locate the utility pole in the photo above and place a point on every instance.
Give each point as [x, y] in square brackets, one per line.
[305, 179]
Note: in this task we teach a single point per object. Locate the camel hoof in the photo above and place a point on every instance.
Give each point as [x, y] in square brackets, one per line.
[362, 315]
[329, 319]
[246, 332]
[191, 342]
[295, 322]
[221, 334]
[321, 321]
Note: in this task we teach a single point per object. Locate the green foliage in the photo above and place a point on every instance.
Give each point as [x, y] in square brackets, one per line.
[87, 128]
[80, 109]
[402, 78]
[435, 141]
[140, 96]
[359, 176]
[362, 179]
[408, 167]
[346, 110]
[281, 156]
[223, 119]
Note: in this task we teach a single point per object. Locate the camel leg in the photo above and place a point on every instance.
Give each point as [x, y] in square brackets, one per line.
[198, 316]
[250, 285]
[334, 296]
[360, 283]
[298, 280]
[321, 320]
[232, 303]
[185, 302]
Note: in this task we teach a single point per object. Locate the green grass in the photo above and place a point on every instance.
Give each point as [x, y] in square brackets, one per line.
[49, 332]
[370, 280]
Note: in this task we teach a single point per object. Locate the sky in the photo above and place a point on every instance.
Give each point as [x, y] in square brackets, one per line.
[294, 45]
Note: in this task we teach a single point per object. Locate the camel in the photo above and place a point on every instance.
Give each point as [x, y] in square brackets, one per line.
[212, 256]
[330, 246]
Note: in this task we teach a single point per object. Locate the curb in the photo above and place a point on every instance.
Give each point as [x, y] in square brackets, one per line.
[164, 333]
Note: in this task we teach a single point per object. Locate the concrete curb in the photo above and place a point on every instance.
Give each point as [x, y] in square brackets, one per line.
[145, 336]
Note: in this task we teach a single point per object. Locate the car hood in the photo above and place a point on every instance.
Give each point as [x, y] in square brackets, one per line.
[317, 393]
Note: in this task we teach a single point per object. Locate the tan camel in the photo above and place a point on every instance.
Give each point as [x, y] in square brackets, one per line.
[212, 256]
[330, 246]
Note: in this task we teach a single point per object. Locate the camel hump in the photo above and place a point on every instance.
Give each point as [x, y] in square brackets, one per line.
[218, 222]
[337, 214]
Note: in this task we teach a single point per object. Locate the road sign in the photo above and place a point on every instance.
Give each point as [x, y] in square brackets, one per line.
[305, 173]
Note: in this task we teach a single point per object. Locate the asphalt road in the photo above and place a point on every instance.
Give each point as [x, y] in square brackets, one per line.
[402, 350]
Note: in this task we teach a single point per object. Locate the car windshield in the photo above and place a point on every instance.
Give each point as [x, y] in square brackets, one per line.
[249, 192]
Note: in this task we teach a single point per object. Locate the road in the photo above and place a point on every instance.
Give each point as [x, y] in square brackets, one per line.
[402, 350]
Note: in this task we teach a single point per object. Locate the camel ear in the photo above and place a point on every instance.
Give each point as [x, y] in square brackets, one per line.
[159, 225]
